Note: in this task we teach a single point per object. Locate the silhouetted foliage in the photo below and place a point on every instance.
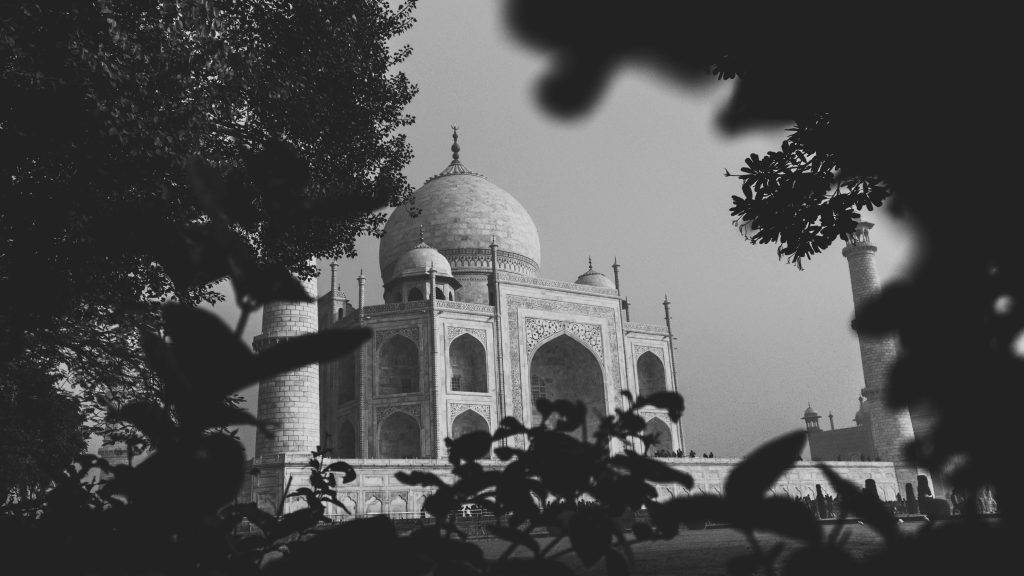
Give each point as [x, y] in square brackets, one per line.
[294, 108]
[911, 103]
[40, 430]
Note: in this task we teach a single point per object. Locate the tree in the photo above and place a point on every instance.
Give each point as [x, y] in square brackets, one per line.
[883, 101]
[40, 431]
[294, 108]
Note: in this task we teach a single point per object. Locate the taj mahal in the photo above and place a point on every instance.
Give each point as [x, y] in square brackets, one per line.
[470, 333]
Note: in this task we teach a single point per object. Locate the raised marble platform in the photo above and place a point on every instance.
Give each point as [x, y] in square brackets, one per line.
[376, 490]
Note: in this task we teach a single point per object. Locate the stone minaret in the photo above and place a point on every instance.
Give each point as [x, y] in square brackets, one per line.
[890, 429]
[362, 289]
[289, 404]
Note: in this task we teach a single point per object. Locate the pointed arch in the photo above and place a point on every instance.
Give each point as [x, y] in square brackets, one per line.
[650, 372]
[467, 361]
[399, 437]
[397, 505]
[565, 369]
[399, 366]
[657, 428]
[414, 295]
[468, 421]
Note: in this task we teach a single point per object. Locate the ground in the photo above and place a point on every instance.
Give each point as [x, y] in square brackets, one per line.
[695, 553]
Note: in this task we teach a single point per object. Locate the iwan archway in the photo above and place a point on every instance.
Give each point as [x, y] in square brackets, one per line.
[565, 369]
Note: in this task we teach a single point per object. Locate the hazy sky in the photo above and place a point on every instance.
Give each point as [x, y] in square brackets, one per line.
[641, 178]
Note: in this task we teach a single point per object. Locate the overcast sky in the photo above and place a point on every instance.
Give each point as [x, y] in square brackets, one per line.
[641, 178]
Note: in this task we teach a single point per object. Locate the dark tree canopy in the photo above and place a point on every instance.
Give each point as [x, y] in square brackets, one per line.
[40, 430]
[294, 110]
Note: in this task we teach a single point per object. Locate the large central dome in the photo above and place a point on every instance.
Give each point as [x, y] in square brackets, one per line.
[459, 212]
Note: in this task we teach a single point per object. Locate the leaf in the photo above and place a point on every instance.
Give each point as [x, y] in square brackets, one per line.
[544, 406]
[642, 531]
[508, 426]
[670, 401]
[513, 535]
[759, 471]
[470, 446]
[572, 414]
[871, 510]
[652, 470]
[208, 353]
[590, 532]
[304, 350]
[257, 285]
[783, 516]
[506, 452]
[417, 478]
[349, 473]
[615, 564]
[152, 420]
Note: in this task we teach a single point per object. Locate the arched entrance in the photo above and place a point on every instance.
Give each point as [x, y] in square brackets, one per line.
[468, 363]
[657, 429]
[468, 421]
[399, 437]
[399, 366]
[651, 373]
[564, 369]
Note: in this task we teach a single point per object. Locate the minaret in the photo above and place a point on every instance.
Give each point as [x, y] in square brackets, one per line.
[672, 357]
[891, 430]
[362, 288]
[289, 403]
[671, 340]
[625, 301]
[433, 282]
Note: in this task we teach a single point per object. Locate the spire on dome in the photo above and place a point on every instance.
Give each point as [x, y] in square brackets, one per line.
[590, 263]
[421, 234]
[455, 166]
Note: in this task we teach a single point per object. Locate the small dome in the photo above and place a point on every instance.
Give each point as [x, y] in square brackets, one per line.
[419, 260]
[594, 278]
[862, 417]
[810, 414]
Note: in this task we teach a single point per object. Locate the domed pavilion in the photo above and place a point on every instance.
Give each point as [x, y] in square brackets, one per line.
[470, 332]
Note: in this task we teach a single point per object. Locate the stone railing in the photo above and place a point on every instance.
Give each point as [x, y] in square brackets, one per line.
[425, 304]
[463, 306]
[555, 284]
[394, 307]
[645, 328]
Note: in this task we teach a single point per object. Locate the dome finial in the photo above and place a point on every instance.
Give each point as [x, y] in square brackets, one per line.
[455, 143]
[590, 263]
[421, 233]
